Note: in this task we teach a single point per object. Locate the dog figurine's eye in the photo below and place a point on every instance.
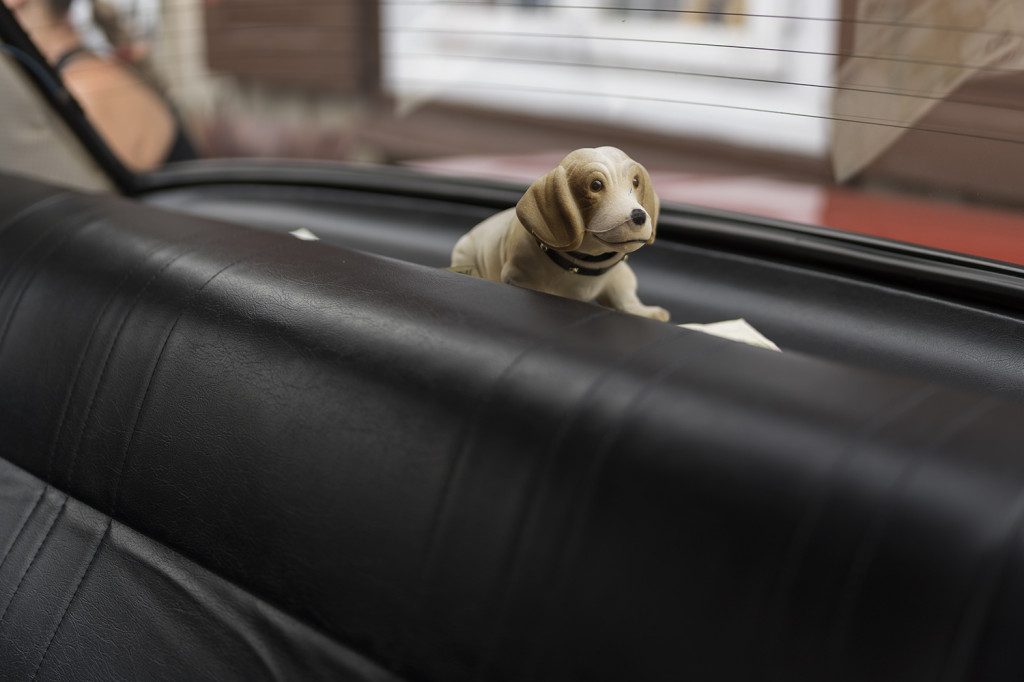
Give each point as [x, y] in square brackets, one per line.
[596, 186]
[636, 180]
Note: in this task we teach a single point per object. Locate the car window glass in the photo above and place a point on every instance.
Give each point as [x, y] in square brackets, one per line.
[901, 120]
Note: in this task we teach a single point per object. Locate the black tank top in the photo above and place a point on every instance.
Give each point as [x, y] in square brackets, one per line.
[181, 148]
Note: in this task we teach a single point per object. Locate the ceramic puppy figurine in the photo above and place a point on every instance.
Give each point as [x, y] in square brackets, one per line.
[571, 232]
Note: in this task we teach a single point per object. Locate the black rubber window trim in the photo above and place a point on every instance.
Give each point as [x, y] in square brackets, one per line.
[17, 44]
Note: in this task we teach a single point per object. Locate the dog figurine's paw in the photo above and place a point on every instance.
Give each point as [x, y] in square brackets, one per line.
[652, 311]
[570, 233]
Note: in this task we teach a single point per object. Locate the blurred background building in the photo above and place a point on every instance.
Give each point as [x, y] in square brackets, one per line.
[404, 78]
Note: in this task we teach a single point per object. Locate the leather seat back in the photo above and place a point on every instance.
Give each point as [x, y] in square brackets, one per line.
[231, 454]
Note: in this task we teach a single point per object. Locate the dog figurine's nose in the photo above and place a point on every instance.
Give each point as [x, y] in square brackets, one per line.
[638, 216]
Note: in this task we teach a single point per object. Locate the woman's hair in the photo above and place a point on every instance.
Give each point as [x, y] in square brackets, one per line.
[106, 18]
[103, 14]
[60, 6]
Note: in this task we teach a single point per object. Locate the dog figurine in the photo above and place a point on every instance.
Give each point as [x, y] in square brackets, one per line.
[571, 232]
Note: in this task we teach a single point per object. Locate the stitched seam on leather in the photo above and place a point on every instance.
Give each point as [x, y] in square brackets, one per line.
[74, 596]
[110, 352]
[437, 524]
[963, 649]
[390, 669]
[23, 526]
[878, 522]
[387, 674]
[801, 537]
[73, 384]
[512, 568]
[115, 506]
[582, 499]
[32, 561]
[40, 235]
[185, 306]
[58, 243]
[29, 210]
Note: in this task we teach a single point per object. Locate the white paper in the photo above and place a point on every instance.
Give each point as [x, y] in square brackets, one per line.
[304, 234]
[734, 330]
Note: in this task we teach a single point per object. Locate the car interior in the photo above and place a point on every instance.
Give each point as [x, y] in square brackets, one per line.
[230, 453]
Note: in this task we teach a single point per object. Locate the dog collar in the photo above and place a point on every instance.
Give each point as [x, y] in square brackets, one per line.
[559, 259]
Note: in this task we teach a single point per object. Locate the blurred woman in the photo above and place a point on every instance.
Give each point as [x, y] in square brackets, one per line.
[135, 121]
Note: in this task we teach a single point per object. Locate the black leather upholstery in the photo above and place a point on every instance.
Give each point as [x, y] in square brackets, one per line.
[230, 454]
[873, 305]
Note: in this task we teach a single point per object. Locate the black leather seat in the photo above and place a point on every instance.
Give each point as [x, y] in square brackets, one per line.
[231, 454]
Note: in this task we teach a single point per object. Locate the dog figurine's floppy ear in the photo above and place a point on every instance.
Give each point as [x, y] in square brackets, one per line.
[649, 200]
[550, 212]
